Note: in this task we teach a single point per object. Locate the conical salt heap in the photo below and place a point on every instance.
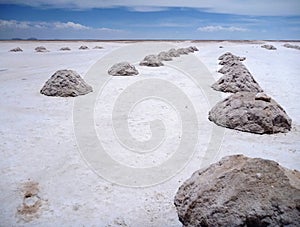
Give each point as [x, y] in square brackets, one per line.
[66, 83]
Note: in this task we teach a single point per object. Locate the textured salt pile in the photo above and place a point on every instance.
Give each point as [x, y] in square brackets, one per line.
[65, 49]
[17, 49]
[287, 45]
[164, 56]
[251, 112]
[152, 61]
[269, 47]
[41, 49]
[123, 69]
[83, 48]
[65, 83]
[240, 191]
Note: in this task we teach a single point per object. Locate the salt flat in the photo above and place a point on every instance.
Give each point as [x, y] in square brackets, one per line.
[38, 141]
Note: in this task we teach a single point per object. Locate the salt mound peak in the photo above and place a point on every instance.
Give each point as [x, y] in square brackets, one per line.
[83, 48]
[66, 83]
[65, 49]
[41, 49]
[123, 69]
[152, 61]
[228, 58]
[17, 49]
[164, 56]
[240, 191]
[269, 47]
[249, 112]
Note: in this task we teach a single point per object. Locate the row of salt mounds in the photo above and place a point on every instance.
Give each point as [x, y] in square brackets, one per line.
[240, 191]
[236, 76]
[44, 49]
[251, 112]
[66, 83]
[156, 60]
[123, 69]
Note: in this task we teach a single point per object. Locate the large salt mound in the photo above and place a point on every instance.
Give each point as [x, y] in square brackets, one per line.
[183, 51]
[41, 49]
[173, 53]
[287, 45]
[123, 69]
[17, 49]
[164, 56]
[83, 48]
[66, 83]
[269, 47]
[251, 112]
[237, 78]
[240, 191]
[152, 61]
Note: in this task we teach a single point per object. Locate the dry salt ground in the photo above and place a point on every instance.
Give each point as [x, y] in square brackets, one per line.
[38, 142]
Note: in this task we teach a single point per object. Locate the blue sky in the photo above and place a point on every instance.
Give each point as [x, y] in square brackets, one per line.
[156, 19]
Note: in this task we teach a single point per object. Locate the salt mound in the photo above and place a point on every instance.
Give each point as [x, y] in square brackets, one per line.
[123, 69]
[229, 58]
[194, 48]
[251, 112]
[269, 47]
[17, 49]
[83, 48]
[98, 47]
[183, 51]
[173, 53]
[164, 56]
[287, 45]
[240, 191]
[237, 78]
[230, 67]
[41, 49]
[65, 49]
[152, 61]
[66, 83]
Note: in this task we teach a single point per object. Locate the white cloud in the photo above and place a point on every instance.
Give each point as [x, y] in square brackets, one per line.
[13, 24]
[218, 28]
[238, 7]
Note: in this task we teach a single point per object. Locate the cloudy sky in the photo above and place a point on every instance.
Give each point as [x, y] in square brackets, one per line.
[154, 19]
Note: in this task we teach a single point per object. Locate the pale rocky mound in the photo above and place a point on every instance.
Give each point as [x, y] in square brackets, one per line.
[240, 191]
[98, 47]
[173, 53]
[152, 61]
[164, 56]
[83, 48]
[269, 47]
[65, 49]
[251, 112]
[287, 45]
[230, 67]
[237, 78]
[228, 59]
[230, 55]
[194, 48]
[41, 49]
[183, 51]
[66, 83]
[17, 49]
[123, 69]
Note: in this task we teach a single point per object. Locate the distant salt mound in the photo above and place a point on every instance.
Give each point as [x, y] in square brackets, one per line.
[173, 53]
[83, 48]
[251, 112]
[240, 191]
[236, 80]
[123, 69]
[183, 51]
[269, 47]
[152, 61]
[17, 49]
[65, 49]
[194, 48]
[41, 49]
[229, 58]
[66, 83]
[98, 47]
[164, 56]
[287, 45]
